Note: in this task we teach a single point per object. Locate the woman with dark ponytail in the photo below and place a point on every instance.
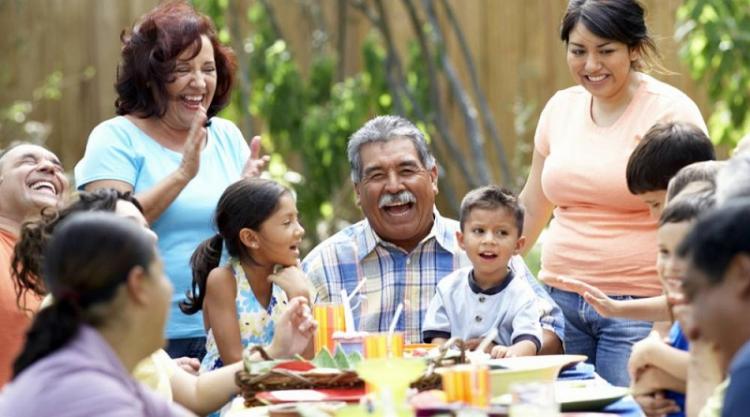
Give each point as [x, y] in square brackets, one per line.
[111, 303]
[242, 300]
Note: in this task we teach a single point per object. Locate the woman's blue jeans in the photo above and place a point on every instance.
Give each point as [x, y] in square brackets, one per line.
[606, 341]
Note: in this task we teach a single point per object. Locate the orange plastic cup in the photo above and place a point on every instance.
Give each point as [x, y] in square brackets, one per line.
[330, 318]
[469, 384]
[376, 345]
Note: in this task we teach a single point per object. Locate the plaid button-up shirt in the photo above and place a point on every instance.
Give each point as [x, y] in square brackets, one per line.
[395, 276]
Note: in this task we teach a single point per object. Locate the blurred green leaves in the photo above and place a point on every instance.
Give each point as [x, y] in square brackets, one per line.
[309, 120]
[715, 44]
[306, 120]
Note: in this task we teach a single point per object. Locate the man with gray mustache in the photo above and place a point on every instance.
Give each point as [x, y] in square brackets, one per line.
[404, 247]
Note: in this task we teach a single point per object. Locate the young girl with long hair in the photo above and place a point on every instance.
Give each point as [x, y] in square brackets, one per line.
[241, 300]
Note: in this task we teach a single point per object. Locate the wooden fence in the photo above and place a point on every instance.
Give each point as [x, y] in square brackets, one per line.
[515, 45]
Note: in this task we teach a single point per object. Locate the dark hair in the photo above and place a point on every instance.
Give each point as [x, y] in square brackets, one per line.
[717, 238]
[86, 261]
[664, 150]
[618, 20]
[246, 204]
[492, 197]
[704, 171]
[688, 207]
[149, 53]
[26, 264]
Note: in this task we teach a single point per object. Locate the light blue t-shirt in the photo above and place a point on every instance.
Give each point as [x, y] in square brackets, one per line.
[119, 150]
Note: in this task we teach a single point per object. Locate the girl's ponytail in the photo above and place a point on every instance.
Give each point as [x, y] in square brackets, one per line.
[26, 263]
[205, 258]
[52, 328]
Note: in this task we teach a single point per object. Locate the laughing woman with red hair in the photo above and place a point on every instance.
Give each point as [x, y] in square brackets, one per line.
[168, 147]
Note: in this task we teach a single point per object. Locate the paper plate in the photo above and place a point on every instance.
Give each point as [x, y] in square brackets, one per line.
[295, 409]
[526, 369]
[310, 395]
[589, 395]
[536, 362]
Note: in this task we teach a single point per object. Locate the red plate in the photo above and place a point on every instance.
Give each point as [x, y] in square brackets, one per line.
[299, 366]
[311, 395]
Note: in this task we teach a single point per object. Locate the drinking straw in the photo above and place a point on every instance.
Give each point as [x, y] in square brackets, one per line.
[356, 289]
[348, 316]
[392, 328]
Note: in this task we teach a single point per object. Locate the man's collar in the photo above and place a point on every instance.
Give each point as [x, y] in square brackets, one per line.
[444, 235]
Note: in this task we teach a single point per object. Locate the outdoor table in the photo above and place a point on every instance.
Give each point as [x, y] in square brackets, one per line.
[625, 407]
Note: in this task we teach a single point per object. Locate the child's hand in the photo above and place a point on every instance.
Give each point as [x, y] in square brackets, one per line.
[652, 379]
[472, 344]
[501, 351]
[294, 329]
[655, 405]
[292, 280]
[641, 354]
[189, 365]
[600, 301]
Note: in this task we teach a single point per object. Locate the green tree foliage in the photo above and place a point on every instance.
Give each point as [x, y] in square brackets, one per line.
[715, 39]
[307, 120]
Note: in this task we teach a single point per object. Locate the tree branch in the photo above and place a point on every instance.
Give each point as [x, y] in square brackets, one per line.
[468, 110]
[321, 33]
[397, 84]
[487, 117]
[341, 40]
[391, 60]
[245, 83]
[438, 116]
[271, 14]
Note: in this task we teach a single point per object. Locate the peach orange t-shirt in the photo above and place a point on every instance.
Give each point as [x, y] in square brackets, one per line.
[14, 320]
[600, 233]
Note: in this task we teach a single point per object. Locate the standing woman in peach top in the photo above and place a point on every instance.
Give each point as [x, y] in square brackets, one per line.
[600, 233]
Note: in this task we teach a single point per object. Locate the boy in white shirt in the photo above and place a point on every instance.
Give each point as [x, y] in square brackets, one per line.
[471, 301]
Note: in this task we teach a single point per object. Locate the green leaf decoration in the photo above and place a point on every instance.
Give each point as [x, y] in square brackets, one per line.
[261, 367]
[354, 358]
[324, 359]
[342, 362]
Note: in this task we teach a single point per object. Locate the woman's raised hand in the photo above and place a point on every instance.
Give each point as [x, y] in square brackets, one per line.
[255, 163]
[191, 153]
[294, 330]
